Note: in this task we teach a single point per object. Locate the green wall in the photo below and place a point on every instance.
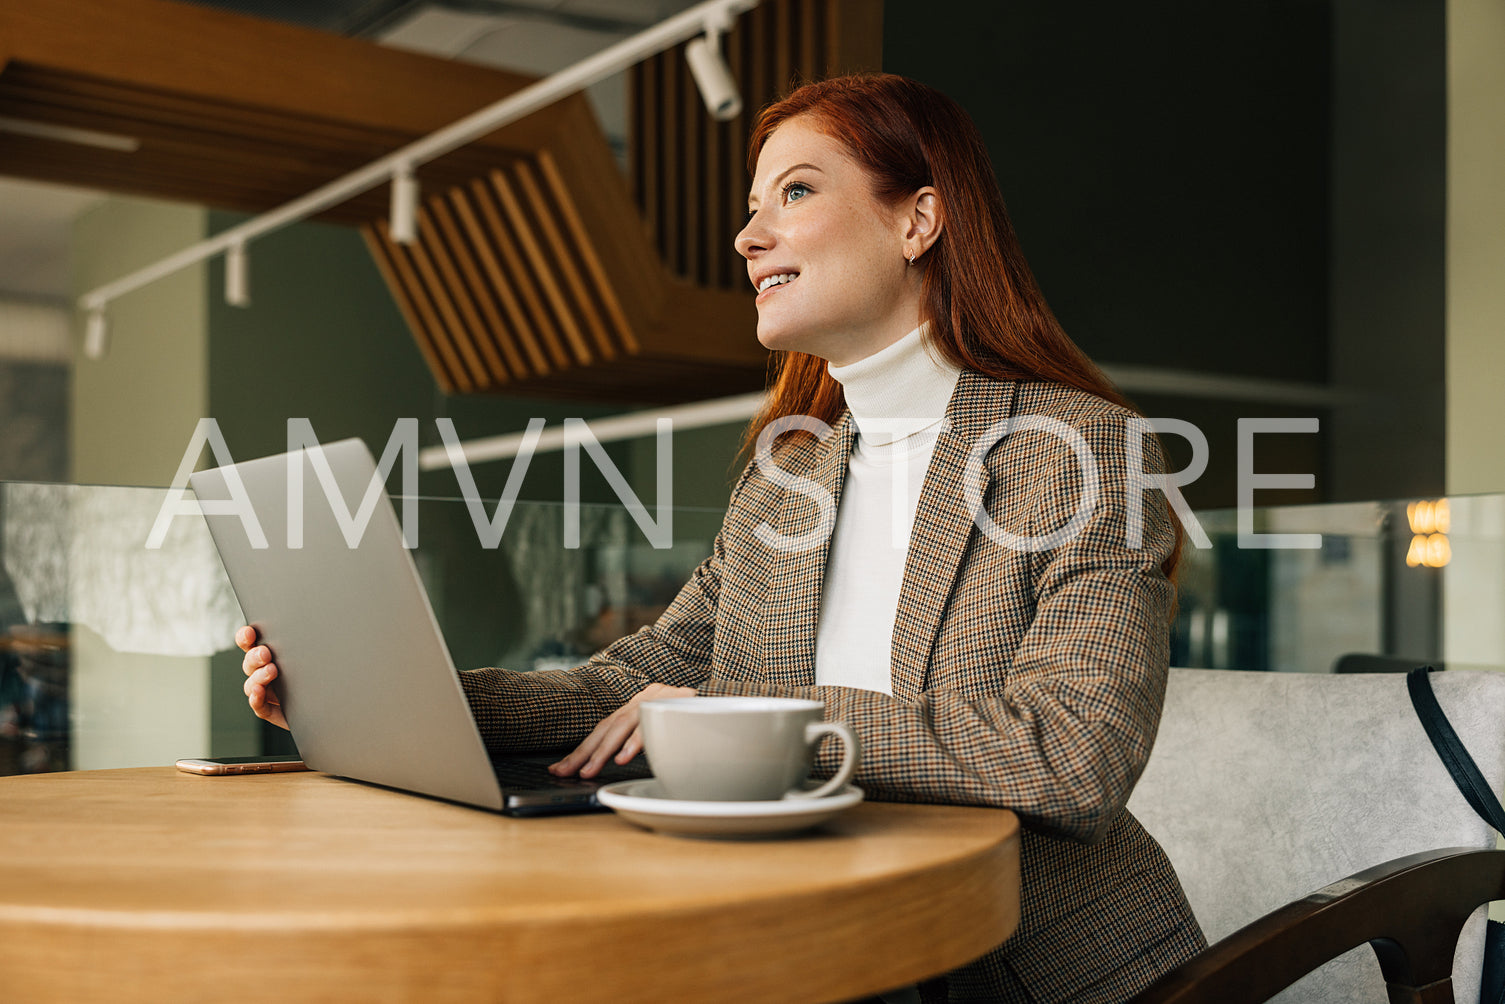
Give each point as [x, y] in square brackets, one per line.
[133, 411]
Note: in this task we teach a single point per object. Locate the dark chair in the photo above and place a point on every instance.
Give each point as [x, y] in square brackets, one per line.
[1410, 911]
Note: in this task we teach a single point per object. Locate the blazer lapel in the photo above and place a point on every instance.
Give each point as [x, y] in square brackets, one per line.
[798, 575]
[943, 526]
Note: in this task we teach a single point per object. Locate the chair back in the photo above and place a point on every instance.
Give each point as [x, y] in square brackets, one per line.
[1265, 786]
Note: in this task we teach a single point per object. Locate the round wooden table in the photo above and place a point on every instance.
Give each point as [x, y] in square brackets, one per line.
[154, 885]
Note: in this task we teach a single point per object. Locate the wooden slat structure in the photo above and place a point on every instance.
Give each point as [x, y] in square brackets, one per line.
[689, 172]
[534, 271]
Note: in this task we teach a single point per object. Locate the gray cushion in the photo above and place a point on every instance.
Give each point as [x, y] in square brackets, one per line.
[1263, 787]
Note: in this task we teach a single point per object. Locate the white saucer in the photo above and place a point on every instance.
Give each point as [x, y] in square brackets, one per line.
[640, 801]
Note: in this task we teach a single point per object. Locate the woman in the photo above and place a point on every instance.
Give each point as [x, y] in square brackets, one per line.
[1016, 659]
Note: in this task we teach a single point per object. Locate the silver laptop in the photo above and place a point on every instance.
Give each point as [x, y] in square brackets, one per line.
[365, 678]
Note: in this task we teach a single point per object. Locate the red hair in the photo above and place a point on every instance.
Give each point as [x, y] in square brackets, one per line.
[986, 311]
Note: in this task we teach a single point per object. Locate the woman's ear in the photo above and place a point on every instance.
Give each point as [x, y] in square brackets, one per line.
[924, 221]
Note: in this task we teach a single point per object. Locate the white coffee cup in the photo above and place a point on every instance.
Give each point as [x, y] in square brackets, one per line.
[741, 749]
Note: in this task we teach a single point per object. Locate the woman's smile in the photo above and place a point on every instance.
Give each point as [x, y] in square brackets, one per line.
[772, 282]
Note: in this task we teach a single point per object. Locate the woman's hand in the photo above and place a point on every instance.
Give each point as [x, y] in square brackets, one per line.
[617, 734]
[260, 672]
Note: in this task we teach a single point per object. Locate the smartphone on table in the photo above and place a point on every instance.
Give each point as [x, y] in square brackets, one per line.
[241, 765]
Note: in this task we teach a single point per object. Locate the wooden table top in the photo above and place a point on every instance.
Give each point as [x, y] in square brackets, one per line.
[152, 884]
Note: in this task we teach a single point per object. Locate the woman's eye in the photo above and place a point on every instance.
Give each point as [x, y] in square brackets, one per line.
[795, 190]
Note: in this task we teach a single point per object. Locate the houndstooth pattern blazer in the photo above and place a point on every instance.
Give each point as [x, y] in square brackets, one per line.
[1030, 680]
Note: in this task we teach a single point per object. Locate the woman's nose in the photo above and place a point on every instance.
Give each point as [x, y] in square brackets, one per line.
[754, 238]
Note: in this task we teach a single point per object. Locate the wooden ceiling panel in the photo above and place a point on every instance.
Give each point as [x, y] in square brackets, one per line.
[229, 60]
[224, 155]
[535, 270]
[232, 111]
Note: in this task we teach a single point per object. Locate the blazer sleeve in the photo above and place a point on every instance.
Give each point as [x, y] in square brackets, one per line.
[1062, 737]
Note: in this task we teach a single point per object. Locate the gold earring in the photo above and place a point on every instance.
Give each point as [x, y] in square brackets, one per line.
[910, 256]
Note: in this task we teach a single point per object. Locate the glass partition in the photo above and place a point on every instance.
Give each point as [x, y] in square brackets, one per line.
[1352, 587]
[115, 654]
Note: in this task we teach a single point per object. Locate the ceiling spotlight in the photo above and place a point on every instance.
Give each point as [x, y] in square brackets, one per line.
[404, 205]
[707, 65]
[96, 334]
[237, 276]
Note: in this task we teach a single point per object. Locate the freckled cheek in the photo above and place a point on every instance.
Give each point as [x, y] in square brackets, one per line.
[843, 251]
[866, 260]
[846, 251]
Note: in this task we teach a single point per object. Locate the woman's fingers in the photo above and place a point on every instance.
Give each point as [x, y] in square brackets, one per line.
[263, 698]
[570, 762]
[260, 671]
[252, 662]
[271, 711]
[261, 677]
[632, 747]
[617, 737]
[258, 692]
[620, 728]
[580, 755]
[604, 740]
[632, 744]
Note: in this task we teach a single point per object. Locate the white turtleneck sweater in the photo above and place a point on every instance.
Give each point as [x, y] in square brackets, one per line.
[898, 399]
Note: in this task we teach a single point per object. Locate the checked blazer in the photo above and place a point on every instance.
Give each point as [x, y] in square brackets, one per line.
[1025, 677]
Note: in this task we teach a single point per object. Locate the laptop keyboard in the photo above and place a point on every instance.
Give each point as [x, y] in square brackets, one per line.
[533, 773]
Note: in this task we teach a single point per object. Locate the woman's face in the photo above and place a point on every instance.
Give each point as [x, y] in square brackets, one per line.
[846, 290]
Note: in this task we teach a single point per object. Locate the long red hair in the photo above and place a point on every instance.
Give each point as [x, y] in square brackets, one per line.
[986, 311]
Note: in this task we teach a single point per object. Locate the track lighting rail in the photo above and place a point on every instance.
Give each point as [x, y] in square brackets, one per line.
[712, 19]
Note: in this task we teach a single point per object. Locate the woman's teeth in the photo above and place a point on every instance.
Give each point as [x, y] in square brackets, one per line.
[776, 280]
